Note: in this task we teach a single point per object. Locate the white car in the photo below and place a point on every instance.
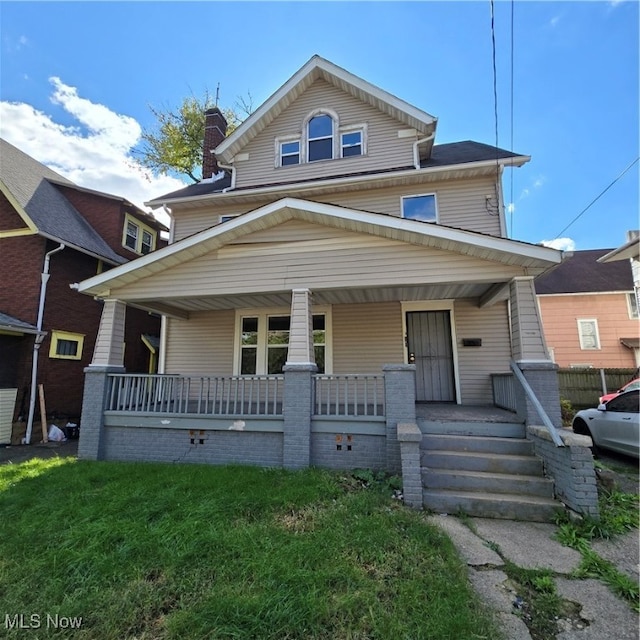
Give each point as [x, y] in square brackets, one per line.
[614, 425]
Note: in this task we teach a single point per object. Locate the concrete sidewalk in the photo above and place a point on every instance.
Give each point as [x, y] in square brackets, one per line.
[486, 545]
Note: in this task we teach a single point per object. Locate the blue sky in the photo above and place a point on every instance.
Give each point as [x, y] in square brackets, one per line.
[77, 79]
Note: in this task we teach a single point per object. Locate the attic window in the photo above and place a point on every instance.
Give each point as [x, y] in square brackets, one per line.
[289, 153]
[320, 138]
[351, 144]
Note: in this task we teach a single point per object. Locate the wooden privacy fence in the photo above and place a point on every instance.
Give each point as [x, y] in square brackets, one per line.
[583, 387]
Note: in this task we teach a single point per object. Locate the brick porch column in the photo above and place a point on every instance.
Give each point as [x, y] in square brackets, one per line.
[298, 383]
[529, 350]
[400, 407]
[108, 357]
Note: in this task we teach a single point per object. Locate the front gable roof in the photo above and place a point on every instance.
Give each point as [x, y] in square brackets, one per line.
[314, 69]
[472, 244]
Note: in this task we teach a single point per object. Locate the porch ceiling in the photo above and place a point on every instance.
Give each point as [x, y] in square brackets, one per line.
[181, 307]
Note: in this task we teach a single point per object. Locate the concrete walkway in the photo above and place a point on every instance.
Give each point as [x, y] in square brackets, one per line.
[486, 545]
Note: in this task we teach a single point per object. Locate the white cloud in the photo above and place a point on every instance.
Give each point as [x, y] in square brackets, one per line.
[94, 153]
[563, 244]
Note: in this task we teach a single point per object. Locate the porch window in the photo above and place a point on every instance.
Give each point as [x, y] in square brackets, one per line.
[588, 334]
[264, 343]
[420, 207]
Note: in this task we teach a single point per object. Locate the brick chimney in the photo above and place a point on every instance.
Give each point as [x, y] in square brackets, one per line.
[215, 130]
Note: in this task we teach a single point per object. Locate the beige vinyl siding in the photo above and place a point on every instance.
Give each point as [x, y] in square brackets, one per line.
[202, 345]
[345, 260]
[366, 337]
[384, 148]
[109, 348]
[476, 364]
[461, 204]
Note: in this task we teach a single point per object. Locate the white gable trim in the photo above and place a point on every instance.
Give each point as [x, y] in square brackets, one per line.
[315, 68]
[392, 227]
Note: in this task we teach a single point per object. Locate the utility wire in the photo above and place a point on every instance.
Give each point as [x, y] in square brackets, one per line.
[495, 111]
[598, 197]
[511, 145]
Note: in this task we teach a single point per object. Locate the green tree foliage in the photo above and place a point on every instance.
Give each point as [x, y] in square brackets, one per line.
[174, 144]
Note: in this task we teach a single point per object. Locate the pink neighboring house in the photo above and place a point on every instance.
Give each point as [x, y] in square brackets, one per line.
[590, 312]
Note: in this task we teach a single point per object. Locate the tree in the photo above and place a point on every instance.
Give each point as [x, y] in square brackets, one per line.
[175, 143]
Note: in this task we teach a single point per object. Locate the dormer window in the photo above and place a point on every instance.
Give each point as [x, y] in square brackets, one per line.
[320, 138]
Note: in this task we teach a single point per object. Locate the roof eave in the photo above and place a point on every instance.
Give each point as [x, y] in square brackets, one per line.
[102, 284]
[514, 161]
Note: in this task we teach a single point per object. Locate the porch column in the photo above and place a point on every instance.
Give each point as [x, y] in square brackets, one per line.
[108, 357]
[298, 383]
[529, 350]
[400, 407]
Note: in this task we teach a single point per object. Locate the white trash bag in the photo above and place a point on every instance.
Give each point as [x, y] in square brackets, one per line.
[56, 434]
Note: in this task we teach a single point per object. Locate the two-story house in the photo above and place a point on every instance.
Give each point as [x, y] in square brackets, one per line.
[54, 233]
[336, 286]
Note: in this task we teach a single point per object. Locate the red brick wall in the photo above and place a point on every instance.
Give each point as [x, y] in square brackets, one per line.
[9, 218]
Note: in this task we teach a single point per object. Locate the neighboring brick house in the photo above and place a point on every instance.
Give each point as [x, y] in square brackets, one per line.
[590, 312]
[40, 212]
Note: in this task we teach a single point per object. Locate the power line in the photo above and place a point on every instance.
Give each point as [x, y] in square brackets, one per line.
[598, 196]
[511, 145]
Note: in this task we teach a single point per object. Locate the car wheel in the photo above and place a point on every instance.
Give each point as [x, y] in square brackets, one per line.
[580, 427]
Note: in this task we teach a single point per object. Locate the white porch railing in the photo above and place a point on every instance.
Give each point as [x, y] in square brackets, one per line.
[504, 391]
[218, 396]
[349, 395]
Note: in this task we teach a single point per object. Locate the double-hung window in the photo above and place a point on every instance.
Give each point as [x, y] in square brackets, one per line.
[138, 236]
[588, 334]
[264, 343]
[351, 144]
[320, 138]
[289, 153]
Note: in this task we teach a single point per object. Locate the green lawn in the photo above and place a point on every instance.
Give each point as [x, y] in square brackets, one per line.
[158, 551]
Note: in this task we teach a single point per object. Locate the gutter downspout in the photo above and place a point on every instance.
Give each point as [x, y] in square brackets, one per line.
[44, 278]
[233, 176]
[416, 152]
[172, 222]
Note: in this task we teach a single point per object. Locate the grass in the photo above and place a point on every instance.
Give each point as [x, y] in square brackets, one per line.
[618, 515]
[152, 551]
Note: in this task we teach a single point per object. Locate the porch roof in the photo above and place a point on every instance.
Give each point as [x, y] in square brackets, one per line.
[510, 253]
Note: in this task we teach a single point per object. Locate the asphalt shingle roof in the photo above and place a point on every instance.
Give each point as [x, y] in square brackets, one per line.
[442, 155]
[9, 321]
[581, 273]
[29, 182]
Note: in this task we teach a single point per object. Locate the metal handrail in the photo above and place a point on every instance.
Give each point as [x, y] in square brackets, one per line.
[536, 403]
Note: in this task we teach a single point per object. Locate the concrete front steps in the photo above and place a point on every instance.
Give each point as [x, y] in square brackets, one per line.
[492, 475]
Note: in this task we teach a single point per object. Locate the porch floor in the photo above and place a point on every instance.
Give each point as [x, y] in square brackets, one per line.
[449, 412]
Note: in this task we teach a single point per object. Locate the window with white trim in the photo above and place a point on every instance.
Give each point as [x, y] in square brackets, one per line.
[263, 343]
[320, 138]
[289, 153]
[420, 207]
[138, 236]
[588, 333]
[66, 345]
[351, 143]
[632, 303]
